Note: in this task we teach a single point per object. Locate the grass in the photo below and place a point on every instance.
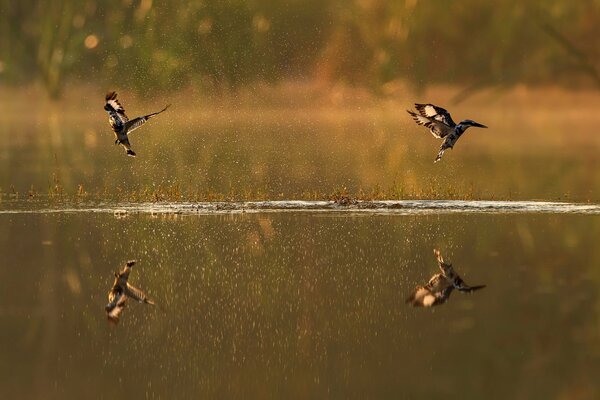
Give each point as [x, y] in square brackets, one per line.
[57, 193]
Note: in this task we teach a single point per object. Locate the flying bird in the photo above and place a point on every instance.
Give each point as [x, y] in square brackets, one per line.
[441, 125]
[121, 291]
[121, 124]
[440, 286]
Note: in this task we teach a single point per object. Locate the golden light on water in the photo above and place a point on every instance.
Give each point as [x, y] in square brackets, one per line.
[91, 41]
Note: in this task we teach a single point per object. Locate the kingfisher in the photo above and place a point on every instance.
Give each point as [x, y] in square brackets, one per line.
[120, 291]
[440, 286]
[441, 125]
[121, 124]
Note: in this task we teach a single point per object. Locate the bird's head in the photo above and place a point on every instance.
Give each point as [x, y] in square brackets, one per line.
[467, 123]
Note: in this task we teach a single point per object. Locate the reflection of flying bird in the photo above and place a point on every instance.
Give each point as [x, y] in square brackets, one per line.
[120, 291]
[440, 286]
[440, 124]
[121, 124]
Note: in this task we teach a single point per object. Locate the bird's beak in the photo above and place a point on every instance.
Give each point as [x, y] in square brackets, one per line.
[477, 124]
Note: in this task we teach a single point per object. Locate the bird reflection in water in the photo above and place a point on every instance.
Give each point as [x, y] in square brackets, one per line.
[440, 286]
[120, 291]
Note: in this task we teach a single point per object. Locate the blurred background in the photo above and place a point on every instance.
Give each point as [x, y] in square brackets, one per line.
[228, 44]
[300, 99]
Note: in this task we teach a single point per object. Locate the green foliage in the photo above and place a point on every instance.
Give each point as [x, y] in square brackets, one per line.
[225, 44]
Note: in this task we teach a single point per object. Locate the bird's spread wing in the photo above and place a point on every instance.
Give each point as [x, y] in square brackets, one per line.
[139, 121]
[453, 278]
[437, 128]
[463, 287]
[447, 269]
[137, 294]
[448, 272]
[435, 112]
[115, 110]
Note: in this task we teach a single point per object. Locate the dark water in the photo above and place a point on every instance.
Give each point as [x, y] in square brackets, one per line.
[300, 305]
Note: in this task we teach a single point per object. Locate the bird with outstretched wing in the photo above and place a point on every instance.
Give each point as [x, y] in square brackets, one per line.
[440, 124]
[119, 293]
[440, 286]
[121, 124]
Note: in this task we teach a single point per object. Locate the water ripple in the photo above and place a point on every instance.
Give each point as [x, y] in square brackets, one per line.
[361, 207]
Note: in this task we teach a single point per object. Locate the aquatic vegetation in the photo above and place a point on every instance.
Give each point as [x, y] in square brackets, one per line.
[175, 193]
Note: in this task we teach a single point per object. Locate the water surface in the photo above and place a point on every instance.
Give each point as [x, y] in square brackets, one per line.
[300, 305]
[272, 290]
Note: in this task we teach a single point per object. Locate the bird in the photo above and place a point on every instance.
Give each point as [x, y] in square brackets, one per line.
[441, 125]
[119, 293]
[120, 123]
[440, 286]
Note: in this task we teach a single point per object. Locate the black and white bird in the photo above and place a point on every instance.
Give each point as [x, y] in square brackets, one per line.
[121, 124]
[119, 293]
[441, 125]
[440, 286]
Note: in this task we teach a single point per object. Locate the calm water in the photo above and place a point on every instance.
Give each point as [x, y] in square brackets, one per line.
[300, 305]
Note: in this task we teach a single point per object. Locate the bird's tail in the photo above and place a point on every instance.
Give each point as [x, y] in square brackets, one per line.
[131, 153]
[156, 113]
[439, 156]
[148, 301]
[131, 263]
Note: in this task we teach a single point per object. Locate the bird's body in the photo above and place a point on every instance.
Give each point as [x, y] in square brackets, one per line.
[440, 286]
[441, 125]
[121, 291]
[121, 124]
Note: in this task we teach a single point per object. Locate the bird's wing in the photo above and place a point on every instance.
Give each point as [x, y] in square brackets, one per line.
[139, 121]
[437, 282]
[135, 123]
[446, 268]
[463, 287]
[452, 277]
[115, 109]
[436, 127]
[435, 112]
[137, 294]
